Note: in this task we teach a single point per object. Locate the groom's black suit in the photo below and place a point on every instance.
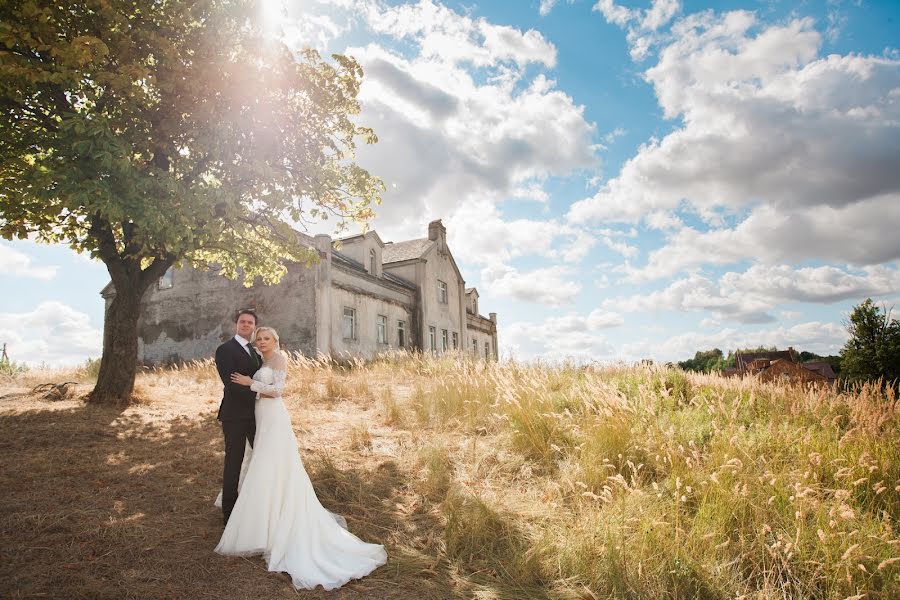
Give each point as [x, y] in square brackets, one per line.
[236, 414]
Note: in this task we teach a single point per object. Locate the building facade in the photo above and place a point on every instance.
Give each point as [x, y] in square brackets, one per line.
[362, 298]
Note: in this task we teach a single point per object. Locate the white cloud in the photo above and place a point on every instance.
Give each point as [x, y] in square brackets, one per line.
[449, 36]
[547, 6]
[464, 111]
[642, 25]
[809, 146]
[553, 340]
[553, 286]
[863, 233]
[751, 296]
[53, 333]
[13, 262]
[821, 338]
[696, 293]
[478, 235]
[622, 248]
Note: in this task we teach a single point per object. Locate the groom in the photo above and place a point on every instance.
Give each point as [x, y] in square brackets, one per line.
[237, 355]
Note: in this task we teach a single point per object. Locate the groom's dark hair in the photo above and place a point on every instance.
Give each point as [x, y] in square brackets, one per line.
[247, 311]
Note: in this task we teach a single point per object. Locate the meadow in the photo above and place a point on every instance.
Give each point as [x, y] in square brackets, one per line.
[483, 480]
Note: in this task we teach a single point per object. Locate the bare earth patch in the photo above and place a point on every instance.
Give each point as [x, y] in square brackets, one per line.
[106, 503]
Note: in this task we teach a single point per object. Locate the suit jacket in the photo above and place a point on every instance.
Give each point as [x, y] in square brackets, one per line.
[238, 401]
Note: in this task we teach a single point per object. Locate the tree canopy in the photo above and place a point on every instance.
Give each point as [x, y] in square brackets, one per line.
[710, 360]
[873, 350]
[150, 134]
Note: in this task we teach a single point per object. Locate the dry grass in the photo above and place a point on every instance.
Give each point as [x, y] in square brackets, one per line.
[483, 481]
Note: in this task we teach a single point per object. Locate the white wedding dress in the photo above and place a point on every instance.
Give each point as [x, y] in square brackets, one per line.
[277, 513]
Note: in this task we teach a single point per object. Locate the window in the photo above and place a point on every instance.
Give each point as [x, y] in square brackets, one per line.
[168, 279]
[442, 292]
[444, 341]
[455, 341]
[381, 329]
[349, 323]
[401, 334]
[487, 349]
[475, 347]
[432, 339]
[372, 262]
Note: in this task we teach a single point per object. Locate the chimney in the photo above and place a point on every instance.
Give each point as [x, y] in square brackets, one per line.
[437, 231]
[493, 317]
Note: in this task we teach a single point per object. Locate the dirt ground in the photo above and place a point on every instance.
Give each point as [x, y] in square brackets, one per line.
[99, 502]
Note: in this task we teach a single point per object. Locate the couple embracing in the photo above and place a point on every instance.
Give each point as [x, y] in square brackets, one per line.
[269, 505]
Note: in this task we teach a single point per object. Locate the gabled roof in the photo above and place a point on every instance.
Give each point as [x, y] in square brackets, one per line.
[408, 250]
[471, 290]
[345, 260]
[822, 368]
[352, 238]
[742, 360]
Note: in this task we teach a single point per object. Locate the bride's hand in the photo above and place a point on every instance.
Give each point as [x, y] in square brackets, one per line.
[241, 379]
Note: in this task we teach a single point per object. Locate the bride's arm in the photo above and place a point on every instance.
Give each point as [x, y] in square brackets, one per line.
[246, 381]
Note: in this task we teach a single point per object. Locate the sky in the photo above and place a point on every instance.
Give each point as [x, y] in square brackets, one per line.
[620, 180]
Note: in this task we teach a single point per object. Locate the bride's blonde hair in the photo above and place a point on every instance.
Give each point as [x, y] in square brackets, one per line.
[270, 330]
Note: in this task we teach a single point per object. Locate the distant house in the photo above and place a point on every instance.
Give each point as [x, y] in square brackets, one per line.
[822, 368]
[780, 365]
[743, 360]
[790, 372]
[363, 297]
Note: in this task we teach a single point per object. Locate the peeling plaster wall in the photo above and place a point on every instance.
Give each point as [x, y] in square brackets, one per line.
[190, 319]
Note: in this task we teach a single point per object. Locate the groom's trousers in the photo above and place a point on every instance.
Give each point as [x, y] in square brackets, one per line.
[236, 432]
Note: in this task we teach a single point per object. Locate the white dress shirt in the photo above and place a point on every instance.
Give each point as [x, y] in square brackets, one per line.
[243, 343]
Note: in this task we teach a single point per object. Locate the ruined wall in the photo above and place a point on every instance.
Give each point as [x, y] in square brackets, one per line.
[190, 319]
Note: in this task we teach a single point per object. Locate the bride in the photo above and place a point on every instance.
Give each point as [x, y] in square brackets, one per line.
[277, 513]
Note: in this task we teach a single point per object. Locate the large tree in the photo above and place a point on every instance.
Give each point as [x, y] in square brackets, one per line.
[873, 350]
[153, 133]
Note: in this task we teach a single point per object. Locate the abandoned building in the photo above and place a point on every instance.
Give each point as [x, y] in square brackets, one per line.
[780, 365]
[366, 298]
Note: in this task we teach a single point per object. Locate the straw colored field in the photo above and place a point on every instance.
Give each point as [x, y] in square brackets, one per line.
[483, 481]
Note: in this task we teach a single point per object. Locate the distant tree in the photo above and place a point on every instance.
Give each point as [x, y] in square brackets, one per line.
[873, 350]
[151, 134]
[704, 362]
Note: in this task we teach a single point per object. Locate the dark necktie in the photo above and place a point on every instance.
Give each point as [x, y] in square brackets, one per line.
[252, 352]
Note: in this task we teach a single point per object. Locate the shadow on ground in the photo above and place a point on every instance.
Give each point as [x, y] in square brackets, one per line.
[100, 503]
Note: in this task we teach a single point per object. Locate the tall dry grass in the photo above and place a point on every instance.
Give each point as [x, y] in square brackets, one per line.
[560, 481]
[648, 482]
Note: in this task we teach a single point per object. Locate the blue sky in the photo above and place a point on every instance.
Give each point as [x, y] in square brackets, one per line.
[619, 180]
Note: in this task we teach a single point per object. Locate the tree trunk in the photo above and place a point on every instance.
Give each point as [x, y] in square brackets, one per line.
[118, 366]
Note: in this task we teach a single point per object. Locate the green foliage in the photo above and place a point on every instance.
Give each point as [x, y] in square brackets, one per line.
[873, 350]
[150, 134]
[176, 131]
[704, 362]
[10, 368]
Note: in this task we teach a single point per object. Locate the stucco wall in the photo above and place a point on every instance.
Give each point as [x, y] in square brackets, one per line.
[369, 299]
[190, 319]
[359, 248]
[434, 313]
